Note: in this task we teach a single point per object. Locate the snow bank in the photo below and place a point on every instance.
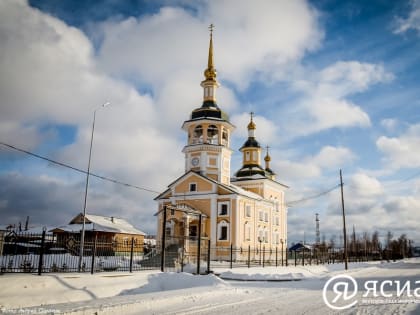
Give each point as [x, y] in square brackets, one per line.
[228, 275]
[176, 281]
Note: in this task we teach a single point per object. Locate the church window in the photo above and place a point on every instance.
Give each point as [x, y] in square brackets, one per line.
[260, 215]
[247, 156]
[198, 134]
[168, 231]
[223, 231]
[265, 236]
[248, 210]
[260, 235]
[212, 134]
[225, 137]
[276, 237]
[266, 216]
[247, 231]
[254, 155]
[193, 230]
[193, 187]
[223, 208]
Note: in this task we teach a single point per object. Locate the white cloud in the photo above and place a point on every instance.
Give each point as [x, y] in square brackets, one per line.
[344, 78]
[265, 132]
[250, 38]
[401, 151]
[325, 102]
[411, 22]
[363, 185]
[390, 124]
[311, 167]
[50, 77]
[332, 157]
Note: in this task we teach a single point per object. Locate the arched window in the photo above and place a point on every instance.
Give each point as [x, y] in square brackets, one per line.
[247, 231]
[170, 225]
[223, 231]
[213, 134]
[198, 134]
[225, 137]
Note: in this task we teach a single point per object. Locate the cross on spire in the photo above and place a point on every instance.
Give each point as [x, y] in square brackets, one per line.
[252, 115]
[211, 28]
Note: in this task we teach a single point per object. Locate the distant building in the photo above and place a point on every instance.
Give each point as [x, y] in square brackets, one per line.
[113, 235]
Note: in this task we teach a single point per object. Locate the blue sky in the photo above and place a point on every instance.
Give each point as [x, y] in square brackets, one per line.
[334, 84]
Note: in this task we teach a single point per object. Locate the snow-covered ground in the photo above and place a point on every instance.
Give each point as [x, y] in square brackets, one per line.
[230, 291]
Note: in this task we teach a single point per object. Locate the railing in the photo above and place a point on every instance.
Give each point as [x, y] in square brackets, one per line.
[46, 252]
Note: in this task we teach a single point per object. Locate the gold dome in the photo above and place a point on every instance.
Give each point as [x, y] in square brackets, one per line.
[252, 125]
[267, 158]
[210, 74]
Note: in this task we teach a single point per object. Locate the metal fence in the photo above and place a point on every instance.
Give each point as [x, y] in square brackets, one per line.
[47, 252]
[232, 257]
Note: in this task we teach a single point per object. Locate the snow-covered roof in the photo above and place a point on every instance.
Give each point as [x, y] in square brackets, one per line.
[244, 192]
[102, 224]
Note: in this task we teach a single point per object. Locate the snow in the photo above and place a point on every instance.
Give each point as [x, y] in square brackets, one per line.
[253, 291]
[100, 223]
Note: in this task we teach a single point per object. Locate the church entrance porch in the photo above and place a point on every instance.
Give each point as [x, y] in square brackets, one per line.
[182, 242]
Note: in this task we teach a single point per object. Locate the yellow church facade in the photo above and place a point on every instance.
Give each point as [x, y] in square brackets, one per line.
[243, 211]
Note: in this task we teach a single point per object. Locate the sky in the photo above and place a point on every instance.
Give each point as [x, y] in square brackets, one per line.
[333, 84]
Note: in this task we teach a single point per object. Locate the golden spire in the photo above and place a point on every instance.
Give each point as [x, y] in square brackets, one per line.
[267, 157]
[210, 73]
[251, 124]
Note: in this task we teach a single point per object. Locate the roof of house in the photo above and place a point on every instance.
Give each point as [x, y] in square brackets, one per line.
[100, 223]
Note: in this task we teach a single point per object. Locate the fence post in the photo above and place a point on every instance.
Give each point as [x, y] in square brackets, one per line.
[231, 255]
[92, 266]
[249, 256]
[162, 252]
[303, 256]
[199, 245]
[41, 254]
[263, 255]
[131, 254]
[295, 259]
[287, 257]
[276, 256]
[310, 257]
[208, 256]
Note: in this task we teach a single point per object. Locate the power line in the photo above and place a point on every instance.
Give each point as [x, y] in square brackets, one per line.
[78, 169]
[292, 203]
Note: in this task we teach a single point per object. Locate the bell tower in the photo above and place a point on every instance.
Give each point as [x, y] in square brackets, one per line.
[208, 148]
[251, 154]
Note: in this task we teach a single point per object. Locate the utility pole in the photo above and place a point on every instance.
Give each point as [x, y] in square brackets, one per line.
[317, 239]
[344, 222]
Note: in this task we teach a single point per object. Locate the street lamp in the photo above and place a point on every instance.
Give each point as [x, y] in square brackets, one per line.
[260, 239]
[82, 237]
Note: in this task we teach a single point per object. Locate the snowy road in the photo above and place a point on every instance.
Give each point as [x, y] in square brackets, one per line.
[178, 293]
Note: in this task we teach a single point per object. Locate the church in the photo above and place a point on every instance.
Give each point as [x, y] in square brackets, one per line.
[243, 211]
